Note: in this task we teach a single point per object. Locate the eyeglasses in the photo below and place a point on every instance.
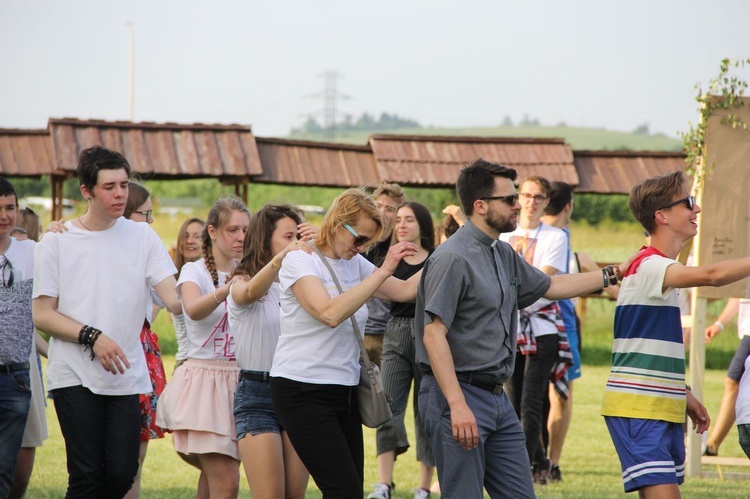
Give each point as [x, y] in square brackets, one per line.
[358, 240]
[689, 203]
[537, 199]
[7, 282]
[510, 199]
[386, 208]
[146, 214]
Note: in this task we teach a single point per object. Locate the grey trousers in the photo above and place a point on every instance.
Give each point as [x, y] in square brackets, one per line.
[398, 368]
[499, 463]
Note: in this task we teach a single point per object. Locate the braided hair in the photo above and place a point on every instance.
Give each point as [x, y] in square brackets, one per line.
[217, 217]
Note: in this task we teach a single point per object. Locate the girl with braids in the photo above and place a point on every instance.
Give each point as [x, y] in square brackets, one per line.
[197, 404]
[272, 467]
[187, 249]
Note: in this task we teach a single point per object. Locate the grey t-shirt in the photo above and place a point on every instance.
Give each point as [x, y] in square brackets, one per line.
[478, 304]
[16, 326]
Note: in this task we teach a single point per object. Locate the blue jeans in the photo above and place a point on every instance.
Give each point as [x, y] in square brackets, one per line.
[499, 463]
[102, 440]
[15, 397]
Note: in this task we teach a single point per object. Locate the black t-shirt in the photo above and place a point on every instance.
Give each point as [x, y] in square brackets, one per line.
[376, 255]
[403, 272]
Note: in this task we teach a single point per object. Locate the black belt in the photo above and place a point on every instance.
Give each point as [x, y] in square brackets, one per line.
[472, 380]
[9, 368]
[264, 376]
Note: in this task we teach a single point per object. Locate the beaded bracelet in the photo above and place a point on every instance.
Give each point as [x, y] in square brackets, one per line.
[87, 336]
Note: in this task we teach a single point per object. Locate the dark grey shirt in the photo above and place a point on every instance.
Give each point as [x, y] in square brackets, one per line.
[476, 301]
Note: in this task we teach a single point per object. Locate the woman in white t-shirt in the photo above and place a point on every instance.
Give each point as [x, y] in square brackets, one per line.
[197, 404]
[272, 467]
[315, 367]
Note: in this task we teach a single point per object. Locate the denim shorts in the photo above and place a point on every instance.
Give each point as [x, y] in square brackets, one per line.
[253, 410]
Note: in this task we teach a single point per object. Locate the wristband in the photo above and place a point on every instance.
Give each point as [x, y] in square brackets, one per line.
[274, 264]
[721, 326]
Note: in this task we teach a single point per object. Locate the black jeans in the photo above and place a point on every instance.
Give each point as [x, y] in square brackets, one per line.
[102, 441]
[323, 424]
[529, 387]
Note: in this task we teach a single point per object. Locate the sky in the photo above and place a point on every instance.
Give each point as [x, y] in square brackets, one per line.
[600, 63]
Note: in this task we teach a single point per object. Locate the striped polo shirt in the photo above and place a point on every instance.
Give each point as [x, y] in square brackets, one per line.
[647, 379]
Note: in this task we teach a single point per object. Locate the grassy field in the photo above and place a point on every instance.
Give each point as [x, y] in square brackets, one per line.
[589, 464]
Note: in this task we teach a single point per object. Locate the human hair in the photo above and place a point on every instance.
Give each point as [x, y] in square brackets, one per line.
[447, 228]
[137, 195]
[18, 230]
[541, 182]
[217, 218]
[346, 209]
[648, 196]
[179, 256]
[424, 220]
[477, 181]
[560, 195]
[393, 191]
[29, 222]
[97, 158]
[6, 189]
[257, 250]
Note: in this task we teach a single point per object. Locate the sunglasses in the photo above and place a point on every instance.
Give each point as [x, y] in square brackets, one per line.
[358, 240]
[7, 282]
[689, 203]
[510, 199]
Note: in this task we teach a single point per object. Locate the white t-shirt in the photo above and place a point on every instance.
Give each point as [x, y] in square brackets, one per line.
[256, 330]
[743, 318]
[742, 406]
[16, 326]
[309, 351]
[180, 333]
[101, 279]
[209, 338]
[543, 246]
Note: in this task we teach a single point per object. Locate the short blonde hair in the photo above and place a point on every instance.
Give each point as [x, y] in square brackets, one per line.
[346, 209]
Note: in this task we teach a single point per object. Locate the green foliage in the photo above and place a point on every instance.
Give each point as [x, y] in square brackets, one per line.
[596, 209]
[366, 121]
[724, 92]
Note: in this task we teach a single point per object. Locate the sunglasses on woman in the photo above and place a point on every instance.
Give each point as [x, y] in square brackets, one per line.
[358, 240]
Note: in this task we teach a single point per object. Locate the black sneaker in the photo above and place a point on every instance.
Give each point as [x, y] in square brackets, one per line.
[540, 472]
[554, 473]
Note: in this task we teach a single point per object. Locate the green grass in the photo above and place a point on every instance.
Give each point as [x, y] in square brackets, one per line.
[589, 463]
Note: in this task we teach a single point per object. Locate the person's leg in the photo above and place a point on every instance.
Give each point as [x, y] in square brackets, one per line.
[397, 372]
[22, 474]
[192, 460]
[263, 459]
[222, 473]
[535, 389]
[663, 491]
[122, 429]
[81, 415]
[323, 424]
[424, 450]
[374, 346]
[135, 490]
[295, 473]
[726, 416]
[560, 415]
[744, 436]
[15, 398]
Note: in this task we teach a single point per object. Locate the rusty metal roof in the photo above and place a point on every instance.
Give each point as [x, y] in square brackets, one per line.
[25, 153]
[161, 150]
[300, 162]
[436, 160]
[616, 172]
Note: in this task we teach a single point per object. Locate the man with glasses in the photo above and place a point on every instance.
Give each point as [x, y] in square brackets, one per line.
[16, 334]
[541, 333]
[466, 321]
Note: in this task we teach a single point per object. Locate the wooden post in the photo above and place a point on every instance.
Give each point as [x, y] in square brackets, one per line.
[695, 380]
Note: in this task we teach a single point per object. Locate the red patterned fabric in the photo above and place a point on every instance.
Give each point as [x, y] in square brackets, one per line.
[150, 343]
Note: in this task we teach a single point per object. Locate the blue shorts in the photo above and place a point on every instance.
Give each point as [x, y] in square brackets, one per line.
[737, 366]
[651, 452]
[253, 410]
[568, 311]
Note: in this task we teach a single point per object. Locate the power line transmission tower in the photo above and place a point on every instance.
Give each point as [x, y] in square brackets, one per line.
[331, 96]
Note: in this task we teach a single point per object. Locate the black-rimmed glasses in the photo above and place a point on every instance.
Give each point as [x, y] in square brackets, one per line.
[358, 240]
[7, 281]
[689, 203]
[146, 213]
[510, 199]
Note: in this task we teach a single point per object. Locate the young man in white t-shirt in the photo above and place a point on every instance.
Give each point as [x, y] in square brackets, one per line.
[546, 248]
[91, 287]
[16, 335]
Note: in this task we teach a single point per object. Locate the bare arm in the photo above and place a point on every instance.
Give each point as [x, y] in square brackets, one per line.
[587, 264]
[166, 292]
[697, 413]
[463, 421]
[395, 289]
[199, 306]
[715, 274]
[62, 327]
[730, 310]
[41, 345]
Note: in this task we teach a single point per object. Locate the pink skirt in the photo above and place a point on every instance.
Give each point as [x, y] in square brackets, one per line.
[198, 406]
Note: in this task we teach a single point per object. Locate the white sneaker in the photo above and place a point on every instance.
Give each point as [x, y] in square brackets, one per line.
[421, 494]
[382, 491]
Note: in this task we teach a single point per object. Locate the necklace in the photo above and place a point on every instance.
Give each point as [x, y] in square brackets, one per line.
[84, 225]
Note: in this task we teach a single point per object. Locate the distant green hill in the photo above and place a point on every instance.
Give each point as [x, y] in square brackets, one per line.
[578, 138]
